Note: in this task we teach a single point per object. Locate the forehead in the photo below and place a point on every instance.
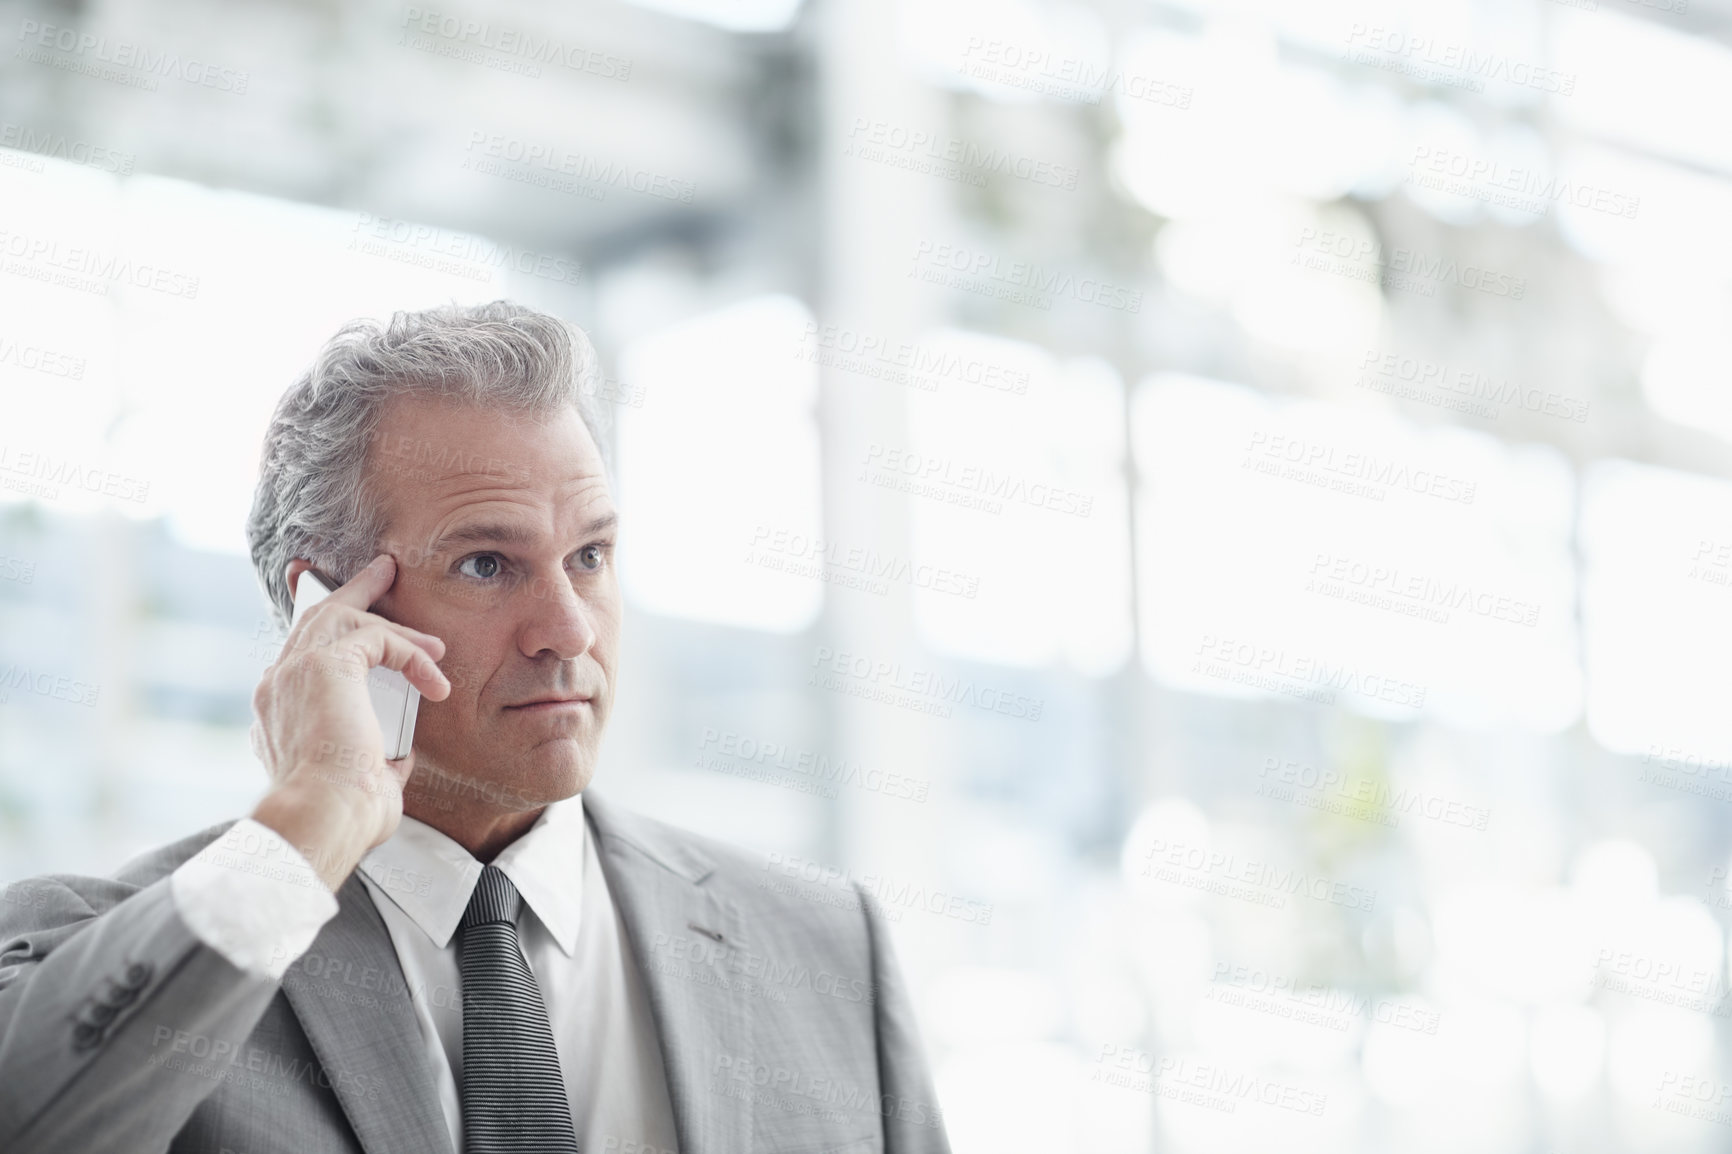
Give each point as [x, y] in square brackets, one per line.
[441, 454]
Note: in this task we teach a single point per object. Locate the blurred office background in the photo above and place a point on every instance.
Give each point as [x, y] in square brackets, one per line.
[1217, 513]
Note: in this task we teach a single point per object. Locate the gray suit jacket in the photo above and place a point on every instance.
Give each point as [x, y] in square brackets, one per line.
[783, 1022]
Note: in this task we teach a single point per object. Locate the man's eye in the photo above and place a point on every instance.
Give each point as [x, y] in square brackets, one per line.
[487, 563]
[593, 555]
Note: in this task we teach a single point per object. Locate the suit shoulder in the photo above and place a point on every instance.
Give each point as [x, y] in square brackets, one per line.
[684, 851]
[81, 895]
[156, 863]
[826, 901]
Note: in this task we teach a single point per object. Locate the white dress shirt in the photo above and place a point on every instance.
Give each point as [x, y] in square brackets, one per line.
[262, 919]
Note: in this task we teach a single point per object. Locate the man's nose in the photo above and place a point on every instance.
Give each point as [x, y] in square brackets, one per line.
[559, 620]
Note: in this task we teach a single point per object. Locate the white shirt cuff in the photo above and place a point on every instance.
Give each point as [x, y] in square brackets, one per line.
[253, 898]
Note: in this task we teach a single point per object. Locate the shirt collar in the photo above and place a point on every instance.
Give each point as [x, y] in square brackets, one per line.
[430, 877]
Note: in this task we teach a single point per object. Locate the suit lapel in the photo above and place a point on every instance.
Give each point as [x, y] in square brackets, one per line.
[672, 921]
[370, 1045]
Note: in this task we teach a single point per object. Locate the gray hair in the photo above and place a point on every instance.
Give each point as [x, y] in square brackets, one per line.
[314, 498]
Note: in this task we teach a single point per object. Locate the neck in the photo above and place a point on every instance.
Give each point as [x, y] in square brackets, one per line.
[482, 832]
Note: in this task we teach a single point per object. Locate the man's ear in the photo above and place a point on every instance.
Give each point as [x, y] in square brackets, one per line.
[296, 567]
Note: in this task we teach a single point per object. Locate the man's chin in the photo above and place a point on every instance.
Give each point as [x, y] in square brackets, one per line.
[560, 767]
[550, 772]
[567, 782]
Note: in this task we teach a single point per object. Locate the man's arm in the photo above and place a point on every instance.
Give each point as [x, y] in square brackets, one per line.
[84, 998]
[120, 1009]
[119, 1015]
[913, 1122]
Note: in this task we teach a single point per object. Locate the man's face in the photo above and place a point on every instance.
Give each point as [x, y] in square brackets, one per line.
[503, 530]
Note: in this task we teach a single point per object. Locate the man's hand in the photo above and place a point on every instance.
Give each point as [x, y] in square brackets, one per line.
[333, 795]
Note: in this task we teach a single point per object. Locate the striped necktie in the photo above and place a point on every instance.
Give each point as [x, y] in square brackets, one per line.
[513, 1094]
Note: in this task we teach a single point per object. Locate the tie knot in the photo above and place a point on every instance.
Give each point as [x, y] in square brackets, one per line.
[495, 900]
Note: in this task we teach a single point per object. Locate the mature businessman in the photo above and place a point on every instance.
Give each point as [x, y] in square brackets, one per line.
[468, 949]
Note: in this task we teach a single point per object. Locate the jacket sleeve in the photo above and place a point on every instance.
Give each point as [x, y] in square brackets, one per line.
[121, 1008]
[908, 1104]
[112, 1023]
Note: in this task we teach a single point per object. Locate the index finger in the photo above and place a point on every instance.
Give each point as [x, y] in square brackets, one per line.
[371, 582]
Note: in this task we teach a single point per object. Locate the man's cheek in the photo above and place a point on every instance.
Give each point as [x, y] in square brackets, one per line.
[466, 676]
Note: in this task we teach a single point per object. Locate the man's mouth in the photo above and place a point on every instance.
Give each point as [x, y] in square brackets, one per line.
[551, 704]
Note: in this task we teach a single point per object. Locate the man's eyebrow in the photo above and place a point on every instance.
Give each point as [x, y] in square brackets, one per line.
[507, 533]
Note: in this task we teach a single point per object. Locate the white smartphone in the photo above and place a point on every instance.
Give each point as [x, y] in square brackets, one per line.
[395, 701]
